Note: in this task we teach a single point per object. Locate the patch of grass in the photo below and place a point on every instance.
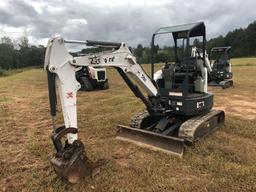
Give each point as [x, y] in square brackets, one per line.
[247, 61]
[4, 73]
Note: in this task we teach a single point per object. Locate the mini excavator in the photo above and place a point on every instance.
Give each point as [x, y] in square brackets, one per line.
[219, 69]
[178, 105]
[221, 74]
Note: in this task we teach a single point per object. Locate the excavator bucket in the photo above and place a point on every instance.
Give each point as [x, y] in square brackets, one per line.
[152, 140]
[73, 170]
[73, 163]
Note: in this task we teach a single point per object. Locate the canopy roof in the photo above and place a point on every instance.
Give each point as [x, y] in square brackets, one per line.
[221, 49]
[182, 31]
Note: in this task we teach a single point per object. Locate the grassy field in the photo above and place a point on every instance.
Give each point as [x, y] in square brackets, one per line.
[224, 161]
[250, 61]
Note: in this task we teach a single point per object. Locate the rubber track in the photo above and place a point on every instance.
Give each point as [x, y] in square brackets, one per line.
[137, 119]
[189, 127]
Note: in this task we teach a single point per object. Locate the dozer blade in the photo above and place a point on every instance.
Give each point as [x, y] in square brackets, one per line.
[155, 141]
[201, 126]
[223, 84]
[73, 164]
[226, 83]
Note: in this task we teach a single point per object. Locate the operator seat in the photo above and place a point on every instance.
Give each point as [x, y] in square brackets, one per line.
[167, 74]
[200, 80]
[187, 66]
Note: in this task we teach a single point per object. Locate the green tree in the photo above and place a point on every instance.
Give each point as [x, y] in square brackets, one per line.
[250, 39]
[7, 54]
[24, 52]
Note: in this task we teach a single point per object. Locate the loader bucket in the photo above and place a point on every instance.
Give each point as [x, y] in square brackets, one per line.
[152, 140]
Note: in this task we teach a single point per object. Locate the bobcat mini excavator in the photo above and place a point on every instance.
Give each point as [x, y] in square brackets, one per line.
[178, 105]
[219, 70]
[221, 74]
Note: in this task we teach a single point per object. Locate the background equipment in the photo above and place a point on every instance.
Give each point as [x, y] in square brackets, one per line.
[221, 74]
[178, 105]
[92, 78]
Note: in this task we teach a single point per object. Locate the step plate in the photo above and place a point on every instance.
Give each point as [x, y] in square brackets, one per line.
[152, 140]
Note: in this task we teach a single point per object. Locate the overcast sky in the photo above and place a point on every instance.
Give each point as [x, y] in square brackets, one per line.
[131, 21]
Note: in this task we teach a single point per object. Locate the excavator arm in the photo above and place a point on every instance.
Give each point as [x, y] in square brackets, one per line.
[61, 67]
[197, 52]
[61, 64]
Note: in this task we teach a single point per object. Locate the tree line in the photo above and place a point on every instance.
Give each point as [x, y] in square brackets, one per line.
[242, 41]
[21, 54]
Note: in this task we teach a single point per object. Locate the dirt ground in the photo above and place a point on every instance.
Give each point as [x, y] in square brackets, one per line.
[225, 161]
[240, 100]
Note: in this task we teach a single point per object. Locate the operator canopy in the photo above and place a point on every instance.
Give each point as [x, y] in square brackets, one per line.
[222, 49]
[183, 31]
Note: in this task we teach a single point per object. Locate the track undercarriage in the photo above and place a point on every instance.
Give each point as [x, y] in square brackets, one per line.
[170, 134]
[224, 83]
